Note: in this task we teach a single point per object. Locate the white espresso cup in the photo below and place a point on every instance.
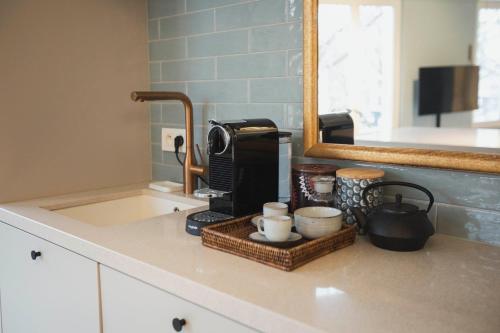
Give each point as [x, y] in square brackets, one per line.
[275, 209]
[276, 228]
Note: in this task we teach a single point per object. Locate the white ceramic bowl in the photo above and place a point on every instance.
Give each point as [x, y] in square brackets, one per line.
[316, 222]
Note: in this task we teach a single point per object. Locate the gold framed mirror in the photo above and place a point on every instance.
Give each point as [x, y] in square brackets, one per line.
[421, 157]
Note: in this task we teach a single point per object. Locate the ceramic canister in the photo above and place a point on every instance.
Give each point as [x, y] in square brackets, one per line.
[349, 185]
[302, 184]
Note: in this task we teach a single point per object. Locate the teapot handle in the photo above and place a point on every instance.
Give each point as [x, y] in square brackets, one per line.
[418, 187]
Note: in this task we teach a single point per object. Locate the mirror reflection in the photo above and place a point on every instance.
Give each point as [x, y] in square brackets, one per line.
[410, 73]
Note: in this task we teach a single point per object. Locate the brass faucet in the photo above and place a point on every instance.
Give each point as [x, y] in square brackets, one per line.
[191, 169]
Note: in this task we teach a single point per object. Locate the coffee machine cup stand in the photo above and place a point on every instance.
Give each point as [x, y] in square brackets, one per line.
[243, 171]
[196, 221]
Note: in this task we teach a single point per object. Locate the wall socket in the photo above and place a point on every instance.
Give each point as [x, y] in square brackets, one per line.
[168, 136]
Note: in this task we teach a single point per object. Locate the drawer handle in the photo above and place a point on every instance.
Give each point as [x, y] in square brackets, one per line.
[35, 254]
[178, 324]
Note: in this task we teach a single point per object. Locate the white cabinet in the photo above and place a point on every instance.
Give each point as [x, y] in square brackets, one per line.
[55, 292]
[131, 306]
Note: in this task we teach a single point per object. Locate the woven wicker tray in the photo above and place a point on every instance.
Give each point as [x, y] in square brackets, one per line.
[232, 237]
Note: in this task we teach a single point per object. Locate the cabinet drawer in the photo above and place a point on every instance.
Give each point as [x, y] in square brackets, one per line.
[131, 306]
[53, 292]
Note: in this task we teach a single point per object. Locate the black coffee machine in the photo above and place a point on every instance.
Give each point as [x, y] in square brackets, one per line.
[243, 170]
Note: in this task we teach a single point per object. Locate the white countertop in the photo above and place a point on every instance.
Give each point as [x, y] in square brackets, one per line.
[452, 285]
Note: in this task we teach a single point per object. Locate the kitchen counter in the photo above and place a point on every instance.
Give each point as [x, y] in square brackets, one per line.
[452, 285]
[484, 140]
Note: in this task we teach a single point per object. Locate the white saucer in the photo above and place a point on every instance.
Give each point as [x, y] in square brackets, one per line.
[255, 236]
[259, 217]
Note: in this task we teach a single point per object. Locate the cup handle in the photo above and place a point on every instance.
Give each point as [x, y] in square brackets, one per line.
[259, 226]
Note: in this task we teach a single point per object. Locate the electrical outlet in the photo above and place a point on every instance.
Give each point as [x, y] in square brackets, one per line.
[168, 136]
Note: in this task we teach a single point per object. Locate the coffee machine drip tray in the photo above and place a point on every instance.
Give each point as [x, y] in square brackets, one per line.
[196, 221]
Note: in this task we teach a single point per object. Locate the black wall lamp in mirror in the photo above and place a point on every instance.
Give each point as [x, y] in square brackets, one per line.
[447, 89]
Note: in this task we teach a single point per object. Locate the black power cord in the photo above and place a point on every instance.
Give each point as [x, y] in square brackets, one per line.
[178, 142]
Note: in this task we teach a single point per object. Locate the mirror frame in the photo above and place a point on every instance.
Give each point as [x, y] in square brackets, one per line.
[456, 160]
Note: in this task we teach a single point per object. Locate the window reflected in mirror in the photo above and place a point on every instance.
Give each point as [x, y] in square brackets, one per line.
[410, 73]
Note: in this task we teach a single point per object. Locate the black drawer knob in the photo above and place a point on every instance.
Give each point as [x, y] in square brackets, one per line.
[35, 254]
[178, 324]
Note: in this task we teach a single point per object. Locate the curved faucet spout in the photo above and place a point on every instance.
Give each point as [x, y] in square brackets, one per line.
[191, 169]
[142, 96]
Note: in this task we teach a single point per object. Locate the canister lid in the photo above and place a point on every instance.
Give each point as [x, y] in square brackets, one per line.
[360, 173]
[317, 169]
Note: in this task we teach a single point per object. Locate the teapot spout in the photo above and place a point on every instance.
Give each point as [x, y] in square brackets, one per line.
[360, 219]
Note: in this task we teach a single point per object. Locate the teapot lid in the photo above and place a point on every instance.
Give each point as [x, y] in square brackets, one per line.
[399, 207]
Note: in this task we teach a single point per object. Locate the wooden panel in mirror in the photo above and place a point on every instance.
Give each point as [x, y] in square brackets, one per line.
[421, 157]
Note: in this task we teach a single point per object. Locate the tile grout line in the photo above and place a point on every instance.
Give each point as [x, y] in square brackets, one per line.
[227, 55]
[186, 11]
[286, 10]
[158, 29]
[216, 68]
[216, 57]
[214, 26]
[233, 79]
[231, 30]
[287, 63]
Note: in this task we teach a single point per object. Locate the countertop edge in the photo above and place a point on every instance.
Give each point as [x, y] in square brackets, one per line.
[229, 306]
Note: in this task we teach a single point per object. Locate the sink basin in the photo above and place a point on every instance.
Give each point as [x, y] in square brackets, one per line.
[129, 209]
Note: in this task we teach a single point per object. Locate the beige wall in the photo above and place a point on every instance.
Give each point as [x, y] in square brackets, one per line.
[67, 123]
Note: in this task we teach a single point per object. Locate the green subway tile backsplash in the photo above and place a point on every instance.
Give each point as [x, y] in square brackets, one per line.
[250, 14]
[170, 159]
[295, 62]
[276, 37]
[159, 8]
[243, 59]
[241, 111]
[173, 113]
[222, 43]
[155, 72]
[276, 90]
[252, 65]
[176, 86]
[167, 49]
[155, 112]
[187, 24]
[294, 116]
[229, 91]
[153, 29]
[155, 133]
[295, 10]
[182, 70]
[156, 153]
[202, 113]
[475, 224]
[167, 171]
[204, 4]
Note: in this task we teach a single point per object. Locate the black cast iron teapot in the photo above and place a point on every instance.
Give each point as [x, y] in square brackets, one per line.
[396, 226]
